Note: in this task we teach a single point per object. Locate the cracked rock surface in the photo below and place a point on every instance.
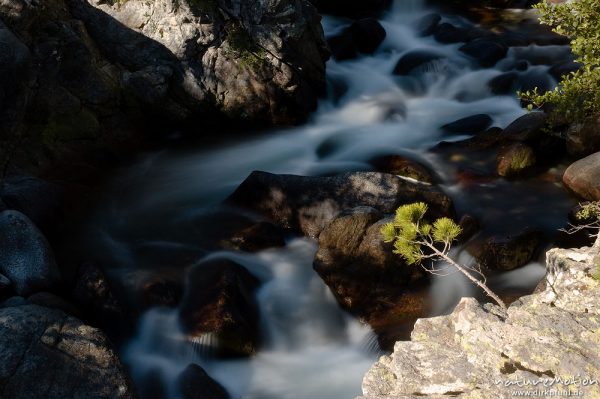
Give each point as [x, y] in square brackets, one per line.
[478, 351]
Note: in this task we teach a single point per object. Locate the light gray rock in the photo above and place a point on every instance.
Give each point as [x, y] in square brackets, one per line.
[477, 349]
[583, 177]
[25, 256]
[48, 354]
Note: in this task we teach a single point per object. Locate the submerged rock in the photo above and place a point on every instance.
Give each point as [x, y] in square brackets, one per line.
[48, 354]
[470, 125]
[403, 166]
[413, 60]
[308, 204]
[486, 51]
[515, 160]
[25, 255]
[363, 36]
[478, 350]
[194, 383]
[219, 311]
[583, 177]
[507, 252]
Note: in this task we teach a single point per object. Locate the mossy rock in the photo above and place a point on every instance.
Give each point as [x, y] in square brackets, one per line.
[64, 128]
[515, 160]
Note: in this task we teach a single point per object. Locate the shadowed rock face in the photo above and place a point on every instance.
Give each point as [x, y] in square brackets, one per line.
[82, 81]
[47, 354]
[308, 204]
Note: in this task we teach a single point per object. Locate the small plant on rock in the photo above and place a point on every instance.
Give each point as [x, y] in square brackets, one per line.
[421, 243]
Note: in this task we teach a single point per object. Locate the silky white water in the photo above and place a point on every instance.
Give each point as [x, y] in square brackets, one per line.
[169, 201]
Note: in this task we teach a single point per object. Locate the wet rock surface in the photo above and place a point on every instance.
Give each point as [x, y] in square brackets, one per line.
[583, 177]
[507, 252]
[219, 310]
[552, 333]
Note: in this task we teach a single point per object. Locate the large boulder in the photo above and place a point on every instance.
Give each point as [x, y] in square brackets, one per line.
[308, 204]
[583, 177]
[219, 308]
[480, 351]
[48, 354]
[254, 61]
[359, 267]
[25, 256]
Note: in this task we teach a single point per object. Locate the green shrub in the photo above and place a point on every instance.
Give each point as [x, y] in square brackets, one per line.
[577, 97]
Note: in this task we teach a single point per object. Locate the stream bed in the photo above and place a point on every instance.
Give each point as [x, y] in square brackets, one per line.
[164, 213]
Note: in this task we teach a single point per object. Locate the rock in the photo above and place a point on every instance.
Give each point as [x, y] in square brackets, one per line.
[368, 35]
[479, 351]
[428, 24]
[469, 226]
[342, 46]
[39, 200]
[414, 59]
[583, 177]
[504, 83]
[352, 8]
[194, 383]
[5, 286]
[157, 291]
[583, 138]
[14, 301]
[470, 125]
[308, 204]
[447, 33]
[527, 128]
[255, 61]
[255, 238]
[93, 293]
[487, 52]
[360, 269]
[507, 252]
[15, 60]
[363, 36]
[402, 166]
[558, 71]
[51, 301]
[219, 303]
[48, 354]
[515, 160]
[25, 256]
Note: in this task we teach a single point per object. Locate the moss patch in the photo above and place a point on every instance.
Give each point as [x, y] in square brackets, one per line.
[251, 55]
[81, 126]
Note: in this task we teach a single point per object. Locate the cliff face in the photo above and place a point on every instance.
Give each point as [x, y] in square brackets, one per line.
[479, 352]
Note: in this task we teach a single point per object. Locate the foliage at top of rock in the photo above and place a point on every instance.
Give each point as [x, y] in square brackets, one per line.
[578, 95]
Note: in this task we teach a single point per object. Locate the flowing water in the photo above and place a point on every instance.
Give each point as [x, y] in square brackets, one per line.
[159, 215]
